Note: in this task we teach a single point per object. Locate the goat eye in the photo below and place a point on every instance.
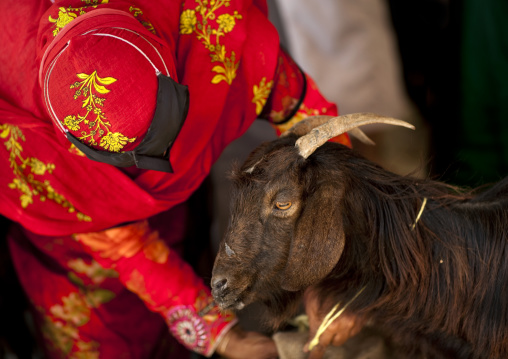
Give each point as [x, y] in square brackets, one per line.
[283, 205]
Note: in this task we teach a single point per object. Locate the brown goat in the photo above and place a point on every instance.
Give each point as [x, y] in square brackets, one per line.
[334, 220]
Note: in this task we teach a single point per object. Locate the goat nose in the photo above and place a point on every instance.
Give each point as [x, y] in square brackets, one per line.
[219, 283]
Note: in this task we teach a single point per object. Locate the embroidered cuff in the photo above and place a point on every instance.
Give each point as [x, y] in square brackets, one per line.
[200, 327]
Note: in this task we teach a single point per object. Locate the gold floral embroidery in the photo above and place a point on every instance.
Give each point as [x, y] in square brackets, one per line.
[26, 183]
[61, 325]
[94, 270]
[136, 11]
[73, 310]
[204, 31]
[288, 103]
[261, 94]
[92, 295]
[187, 21]
[66, 15]
[60, 336]
[302, 113]
[95, 2]
[126, 242]
[87, 87]
[136, 284]
[87, 350]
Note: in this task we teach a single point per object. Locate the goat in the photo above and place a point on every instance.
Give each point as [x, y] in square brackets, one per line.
[321, 215]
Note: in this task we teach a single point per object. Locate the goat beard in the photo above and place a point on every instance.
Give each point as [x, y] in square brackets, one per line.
[281, 307]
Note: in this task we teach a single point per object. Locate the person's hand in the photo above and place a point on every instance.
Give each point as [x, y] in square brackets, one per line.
[337, 333]
[239, 344]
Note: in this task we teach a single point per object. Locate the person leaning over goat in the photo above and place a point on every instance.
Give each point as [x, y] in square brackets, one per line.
[111, 115]
[422, 261]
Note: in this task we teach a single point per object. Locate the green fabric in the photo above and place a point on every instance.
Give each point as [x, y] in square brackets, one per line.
[483, 136]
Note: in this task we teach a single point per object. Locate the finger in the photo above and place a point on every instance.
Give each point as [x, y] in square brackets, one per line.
[312, 334]
[338, 331]
[318, 352]
[313, 326]
[326, 337]
[339, 339]
[341, 330]
[314, 318]
[324, 340]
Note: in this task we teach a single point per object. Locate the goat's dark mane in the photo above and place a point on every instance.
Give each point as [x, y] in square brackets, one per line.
[445, 277]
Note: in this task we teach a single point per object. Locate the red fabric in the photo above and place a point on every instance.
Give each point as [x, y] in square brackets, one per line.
[94, 98]
[91, 313]
[54, 191]
[219, 113]
[143, 262]
[93, 291]
[99, 73]
[294, 96]
[68, 204]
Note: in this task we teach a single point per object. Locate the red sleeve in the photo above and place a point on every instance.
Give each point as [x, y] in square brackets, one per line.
[166, 284]
[295, 96]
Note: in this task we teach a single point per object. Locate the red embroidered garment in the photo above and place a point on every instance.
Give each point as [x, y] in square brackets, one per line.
[91, 283]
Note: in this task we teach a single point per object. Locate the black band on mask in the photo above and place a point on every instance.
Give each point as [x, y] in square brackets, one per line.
[153, 151]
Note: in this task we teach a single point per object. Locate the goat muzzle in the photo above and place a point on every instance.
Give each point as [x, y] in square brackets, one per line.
[219, 284]
[223, 295]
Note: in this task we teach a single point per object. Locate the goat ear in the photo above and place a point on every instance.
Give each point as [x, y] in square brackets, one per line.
[318, 241]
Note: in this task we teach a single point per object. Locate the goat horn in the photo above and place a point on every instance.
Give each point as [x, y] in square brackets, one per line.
[359, 134]
[335, 126]
[306, 125]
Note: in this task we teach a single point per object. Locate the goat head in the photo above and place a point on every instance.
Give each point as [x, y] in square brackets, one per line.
[285, 231]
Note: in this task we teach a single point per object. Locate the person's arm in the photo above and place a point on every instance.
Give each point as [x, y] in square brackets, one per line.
[294, 96]
[168, 286]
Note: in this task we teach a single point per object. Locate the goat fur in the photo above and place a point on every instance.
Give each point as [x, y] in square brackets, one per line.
[439, 290]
